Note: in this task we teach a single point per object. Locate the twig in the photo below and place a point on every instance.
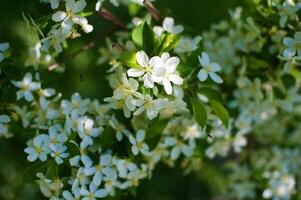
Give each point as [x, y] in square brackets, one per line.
[112, 18]
[152, 10]
[84, 48]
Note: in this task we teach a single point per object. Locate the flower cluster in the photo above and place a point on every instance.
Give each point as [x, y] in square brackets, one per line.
[66, 23]
[168, 103]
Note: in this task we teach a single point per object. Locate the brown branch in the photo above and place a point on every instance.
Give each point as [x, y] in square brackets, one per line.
[152, 10]
[112, 18]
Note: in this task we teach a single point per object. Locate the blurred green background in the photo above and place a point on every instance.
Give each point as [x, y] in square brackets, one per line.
[167, 183]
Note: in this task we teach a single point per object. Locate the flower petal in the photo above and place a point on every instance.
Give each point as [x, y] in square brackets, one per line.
[176, 79]
[67, 26]
[140, 136]
[142, 59]
[168, 24]
[158, 30]
[69, 4]
[172, 64]
[216, 78]
[202, 75]
[59, 16]
[4, 46]
[79, 6]
[156, 62]
[215, 67]
[54, 4]
[134, 72]
[167, 86]
[205, 60]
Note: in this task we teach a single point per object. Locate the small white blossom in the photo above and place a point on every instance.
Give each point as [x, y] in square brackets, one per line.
[138, 144]
[187, 44]
[39, 148]
[168, 25]
[165, 72]
[209, 68]
[59, 153]
[4, 120]
[71, 17]
[178, 147]
[146, 68]
[3, 47]
[87, 132]
[293, 46]
[105, 161]
[93, 193]
[152, 107]
[27, 86]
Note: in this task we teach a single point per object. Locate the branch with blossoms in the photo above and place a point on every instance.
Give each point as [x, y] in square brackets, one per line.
[158, 110]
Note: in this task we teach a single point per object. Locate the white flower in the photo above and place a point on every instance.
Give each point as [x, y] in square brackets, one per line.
[128, 88]
[99, 3]
[281, 186]
[56, 138]
[209, 68]
[27, 87]
[58, 153]
[39, 148]
[123, 95]
[77, 106]
[93, 193]
[70, 17]
[54, 4]
[137, 21]
[178, 147]
[75, 195]
[165, 73]
[54, 39]
[152, 107]
[24, 114]
[86, 131]
[137, 143]
[110, 178]
[4, 120]
[187, 44]
[105, 161]
[124, 167]
[3, 47]
[288, 10]
[293, 46]
[168, 25]
[146, 68]
[239, 141]
[192, 132]
[119, 128]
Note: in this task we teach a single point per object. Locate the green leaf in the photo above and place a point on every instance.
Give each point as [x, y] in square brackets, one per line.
[128, 59]
[154, 133]
[143, 37]
[184, 69]
[168, 42]
[278, 93]
[29, 174]
[107, 138]
[212, 94]
[257, 64]
[288, 81]
[52, 169]
[220, 112]
[199, 111]
[134, 9]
